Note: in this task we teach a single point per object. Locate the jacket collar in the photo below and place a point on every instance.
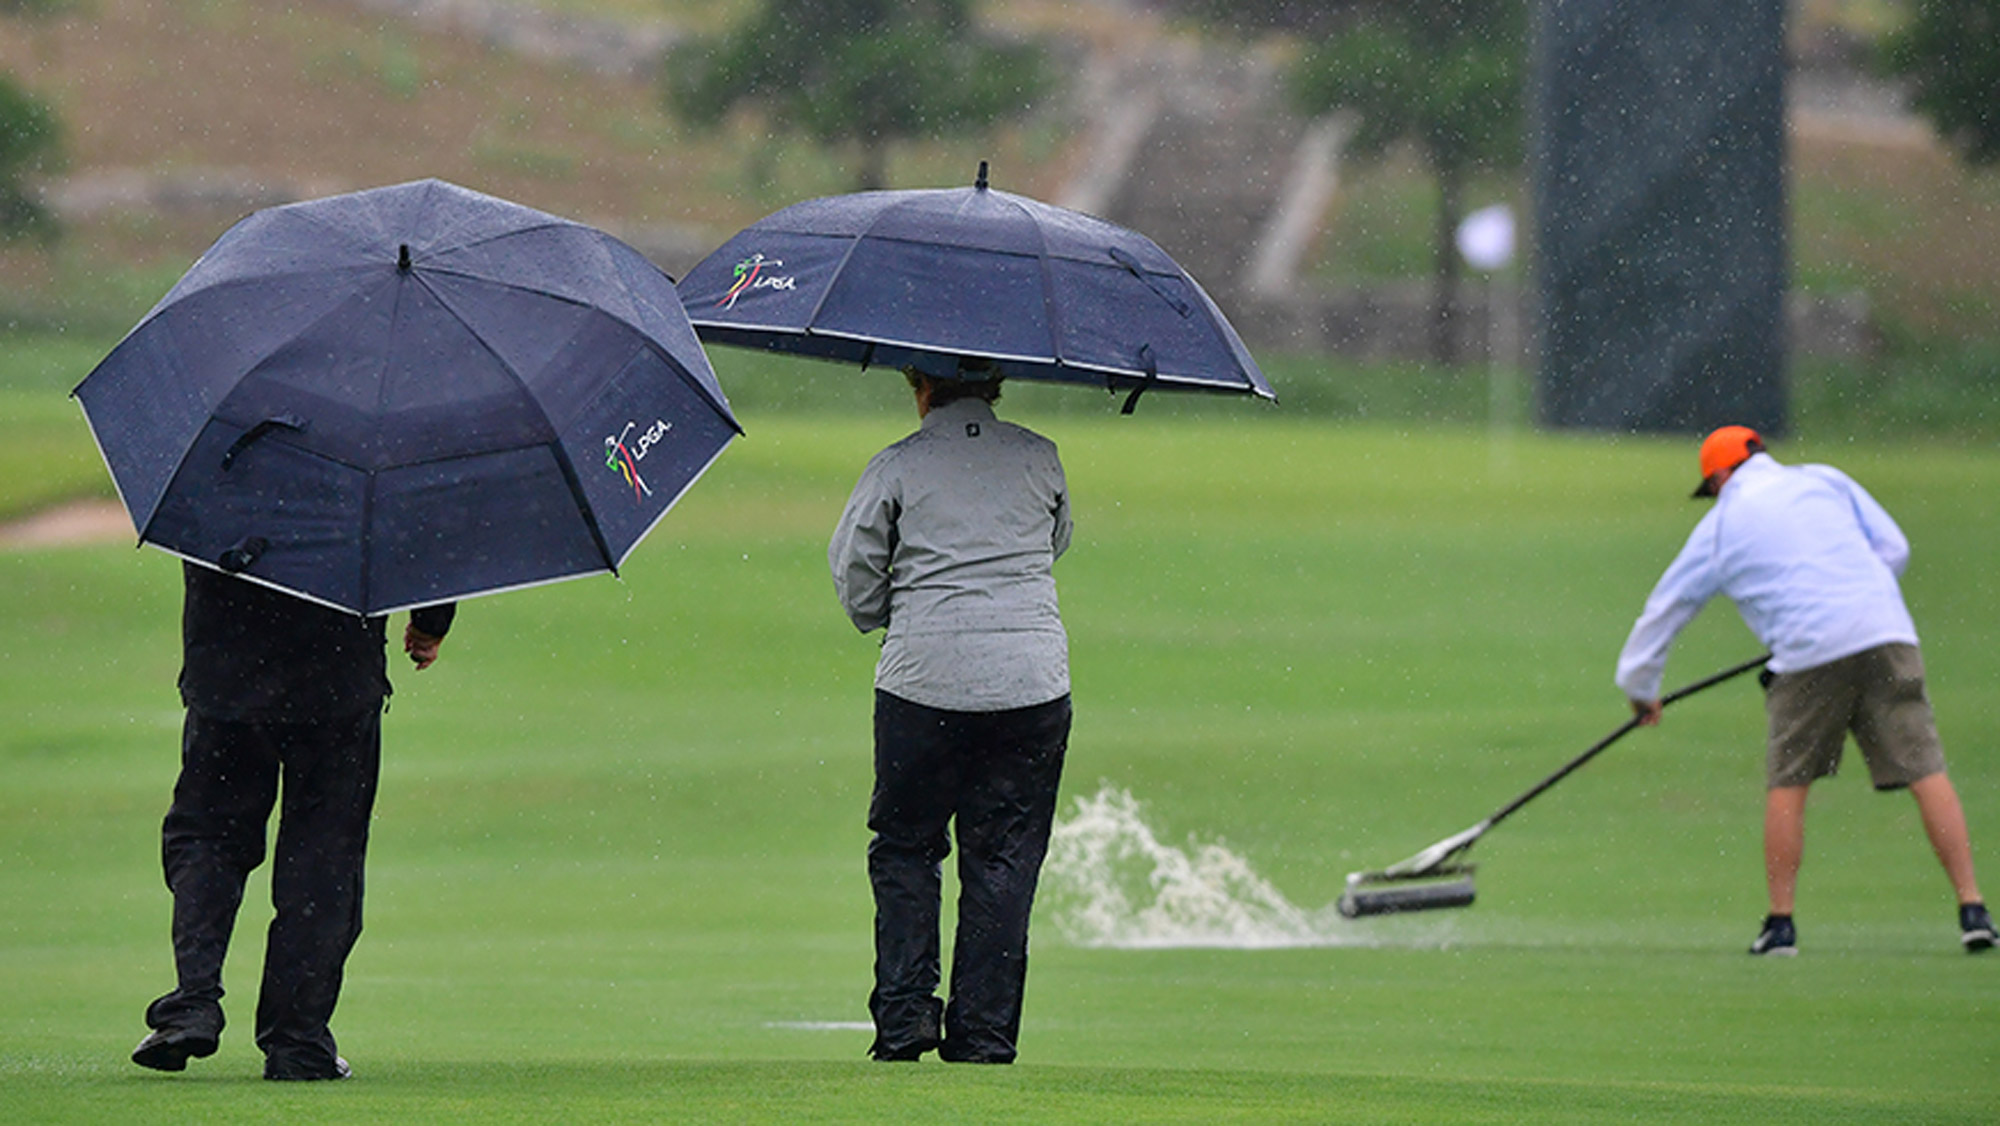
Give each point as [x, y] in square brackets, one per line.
[960, 411]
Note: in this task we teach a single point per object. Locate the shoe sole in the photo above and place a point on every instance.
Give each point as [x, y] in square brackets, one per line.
[1777, 952]
[1977, 941]
[172, 1055]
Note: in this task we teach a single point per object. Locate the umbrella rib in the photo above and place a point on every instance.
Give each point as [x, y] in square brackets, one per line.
[854, 244]
[1049, 308]
[558, 224]
[552, 223]
[570, 478]
[820, 301]
[180, 462]
[721, 408]
[505, 283]
[368, 473]
[258, 280]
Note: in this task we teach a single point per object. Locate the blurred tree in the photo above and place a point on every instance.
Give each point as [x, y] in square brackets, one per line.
[1950, 52]
[867, 72]
[29, 137]
[1447, 76]
[28, 145]
[1247, 18]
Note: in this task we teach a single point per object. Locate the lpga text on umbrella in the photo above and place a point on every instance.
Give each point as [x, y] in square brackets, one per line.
[750, 274]
[624, 459]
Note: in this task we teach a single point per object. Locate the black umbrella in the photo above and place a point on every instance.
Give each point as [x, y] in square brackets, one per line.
[407, 395]
[922, 278]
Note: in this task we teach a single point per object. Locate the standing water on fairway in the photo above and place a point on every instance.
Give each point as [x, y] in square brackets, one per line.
[1109, 881]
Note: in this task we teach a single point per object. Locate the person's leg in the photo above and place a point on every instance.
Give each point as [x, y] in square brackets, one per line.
[1944, 824]
[1809, 712]
[1899, 738]
[210, 841]
[1784, 844]
[1004, 822]
[908, 812]
[330, 774]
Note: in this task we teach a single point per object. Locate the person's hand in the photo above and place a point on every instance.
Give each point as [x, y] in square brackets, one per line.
[1648, 712]
[421, 646]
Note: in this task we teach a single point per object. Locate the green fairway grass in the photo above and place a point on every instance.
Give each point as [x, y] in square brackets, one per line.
[617, 870]
[46, 454]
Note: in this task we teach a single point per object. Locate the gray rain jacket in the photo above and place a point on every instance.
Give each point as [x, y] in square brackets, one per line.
[949, 541]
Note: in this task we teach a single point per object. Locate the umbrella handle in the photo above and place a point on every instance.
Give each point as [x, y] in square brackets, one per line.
[1152, 376]
[287, 421]
[245, 552]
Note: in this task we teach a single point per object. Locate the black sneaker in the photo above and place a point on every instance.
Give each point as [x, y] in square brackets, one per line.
[1976, 928]
[168, 1049]
[285, 1071]
[1779, 937]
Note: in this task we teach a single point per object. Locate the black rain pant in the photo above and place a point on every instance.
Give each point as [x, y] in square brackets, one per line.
[997, 774]
[213, 837]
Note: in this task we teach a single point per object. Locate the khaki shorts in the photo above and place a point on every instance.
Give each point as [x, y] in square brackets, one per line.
[1878, 694]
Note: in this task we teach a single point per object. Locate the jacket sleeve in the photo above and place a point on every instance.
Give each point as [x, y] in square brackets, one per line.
[1059, 537]
[1689, 582]
[1890, 545]
[863, 548]
[434, 620]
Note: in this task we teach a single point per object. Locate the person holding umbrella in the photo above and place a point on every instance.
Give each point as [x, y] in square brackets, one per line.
[380, 401]
[276, 688]
[950, 538]
[948, 543]
[1811, 561]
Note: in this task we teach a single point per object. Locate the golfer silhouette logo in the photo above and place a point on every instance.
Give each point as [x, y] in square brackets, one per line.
[624, 460]
[754, 273]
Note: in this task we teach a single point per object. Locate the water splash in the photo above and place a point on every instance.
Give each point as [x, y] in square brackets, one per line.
[1109, 881]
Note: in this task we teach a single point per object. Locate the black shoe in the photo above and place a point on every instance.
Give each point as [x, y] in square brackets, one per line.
[952, 1056]
[284, 1072]
[1976, 928]
[1779, 937]
[901, 1053]
[168, 1049]
[984, 1049]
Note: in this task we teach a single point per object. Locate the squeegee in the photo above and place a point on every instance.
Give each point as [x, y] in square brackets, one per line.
[1439, 876]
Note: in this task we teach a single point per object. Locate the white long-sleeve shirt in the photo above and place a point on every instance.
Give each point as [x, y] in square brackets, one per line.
[1809, 558]
[950, 540]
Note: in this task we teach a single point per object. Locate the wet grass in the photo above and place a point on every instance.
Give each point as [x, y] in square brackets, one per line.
[617, 868]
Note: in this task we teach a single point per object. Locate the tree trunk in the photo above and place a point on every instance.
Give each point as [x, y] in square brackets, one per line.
[1444, 291]
[874, 174]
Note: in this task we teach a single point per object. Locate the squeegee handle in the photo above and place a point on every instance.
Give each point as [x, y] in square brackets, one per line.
[1710, 682]
[1623, 730]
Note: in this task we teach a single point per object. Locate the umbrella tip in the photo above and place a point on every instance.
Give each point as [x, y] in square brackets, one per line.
[403, 258]
[980, 183]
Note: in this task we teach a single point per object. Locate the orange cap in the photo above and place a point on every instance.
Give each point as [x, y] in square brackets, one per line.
[1726, 448]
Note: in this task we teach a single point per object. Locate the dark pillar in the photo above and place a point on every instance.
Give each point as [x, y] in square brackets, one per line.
[1659, 213]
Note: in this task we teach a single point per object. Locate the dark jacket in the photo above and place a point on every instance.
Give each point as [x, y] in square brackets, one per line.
[249, 652]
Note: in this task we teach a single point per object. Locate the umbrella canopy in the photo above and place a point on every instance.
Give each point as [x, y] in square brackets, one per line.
[915, 277]
[407, 395]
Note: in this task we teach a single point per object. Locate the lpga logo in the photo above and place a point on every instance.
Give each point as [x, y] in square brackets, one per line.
[624, 460]
[752, 273]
